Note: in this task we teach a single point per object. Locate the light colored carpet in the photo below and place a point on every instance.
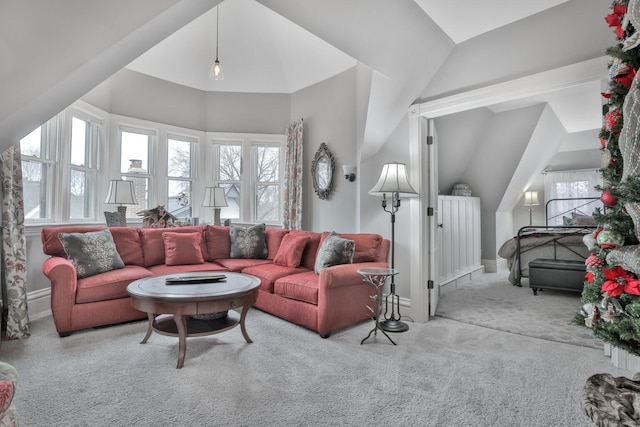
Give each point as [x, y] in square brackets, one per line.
[491, 301]
[442, 373]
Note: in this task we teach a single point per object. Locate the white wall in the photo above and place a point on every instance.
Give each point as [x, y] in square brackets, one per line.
[374, 219]
[328, 109]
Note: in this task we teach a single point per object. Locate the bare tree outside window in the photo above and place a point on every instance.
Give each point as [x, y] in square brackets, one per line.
[267, 195]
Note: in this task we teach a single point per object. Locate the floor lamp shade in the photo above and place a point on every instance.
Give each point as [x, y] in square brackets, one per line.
[121, 193]
[395, 182]
[214, 197]
[393, 179]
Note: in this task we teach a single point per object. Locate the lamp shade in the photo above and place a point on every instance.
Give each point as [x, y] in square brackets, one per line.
[214, 197]
[531, 198]
[121, 193]
[393, 179]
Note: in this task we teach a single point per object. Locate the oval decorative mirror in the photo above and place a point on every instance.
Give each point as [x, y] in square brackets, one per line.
[322, 171]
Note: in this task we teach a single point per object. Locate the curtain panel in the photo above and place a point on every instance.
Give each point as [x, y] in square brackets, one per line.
[571, 184]
[293, 173]
[15, 317]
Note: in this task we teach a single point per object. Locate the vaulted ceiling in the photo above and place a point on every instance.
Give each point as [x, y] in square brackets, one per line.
[54, 52]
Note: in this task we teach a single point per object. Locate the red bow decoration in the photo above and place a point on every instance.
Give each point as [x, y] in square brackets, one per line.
[627, 79]
[615, 18]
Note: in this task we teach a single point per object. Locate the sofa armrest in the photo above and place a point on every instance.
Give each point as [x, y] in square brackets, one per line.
[342, 275]
[64, 284]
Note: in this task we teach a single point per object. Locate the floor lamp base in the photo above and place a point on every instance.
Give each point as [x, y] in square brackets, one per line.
[394, 326]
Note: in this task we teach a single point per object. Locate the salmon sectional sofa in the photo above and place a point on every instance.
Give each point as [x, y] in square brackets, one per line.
[284, 261]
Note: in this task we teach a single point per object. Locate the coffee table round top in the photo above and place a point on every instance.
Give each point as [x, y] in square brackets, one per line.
[156, 287]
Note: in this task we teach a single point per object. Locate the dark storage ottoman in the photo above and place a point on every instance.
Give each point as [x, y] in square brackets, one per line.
[562, 275]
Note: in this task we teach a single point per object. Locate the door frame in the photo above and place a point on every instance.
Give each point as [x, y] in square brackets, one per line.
[423, 167]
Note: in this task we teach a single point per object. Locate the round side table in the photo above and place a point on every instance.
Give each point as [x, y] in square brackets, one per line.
[377, 277]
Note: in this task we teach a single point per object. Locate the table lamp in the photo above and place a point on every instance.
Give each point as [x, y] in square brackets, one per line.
[214, 197]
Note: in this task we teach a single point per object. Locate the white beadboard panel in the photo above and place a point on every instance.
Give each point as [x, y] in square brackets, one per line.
[458, 237]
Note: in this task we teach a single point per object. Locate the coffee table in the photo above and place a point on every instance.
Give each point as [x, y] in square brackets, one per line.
[171, 307]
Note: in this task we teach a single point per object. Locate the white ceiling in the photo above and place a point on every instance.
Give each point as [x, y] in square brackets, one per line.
[263, 52]
[465, 19]
[260, 52]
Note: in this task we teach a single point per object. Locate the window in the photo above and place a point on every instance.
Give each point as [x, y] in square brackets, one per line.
[253, 193]
[135, 165]
[60, 166]
[37, 172]
[85, 140]
[571, 185]
[180, 174]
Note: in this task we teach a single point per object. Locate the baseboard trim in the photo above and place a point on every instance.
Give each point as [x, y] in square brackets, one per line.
[39, 303]
[494, 265]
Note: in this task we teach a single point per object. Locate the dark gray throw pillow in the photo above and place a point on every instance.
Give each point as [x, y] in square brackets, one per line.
[91, 253]
[334, 251]
[248, 242]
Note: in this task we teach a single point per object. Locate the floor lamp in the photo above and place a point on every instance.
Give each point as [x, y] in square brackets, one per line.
[121, 193]
[394, 182]
[531, 200]
[214, 197]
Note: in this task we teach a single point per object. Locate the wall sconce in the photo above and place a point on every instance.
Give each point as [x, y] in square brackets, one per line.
[349, 172]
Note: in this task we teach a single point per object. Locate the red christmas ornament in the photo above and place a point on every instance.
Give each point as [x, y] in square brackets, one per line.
[627, 79]
[594, 261]
[611, 118]
[608, 198]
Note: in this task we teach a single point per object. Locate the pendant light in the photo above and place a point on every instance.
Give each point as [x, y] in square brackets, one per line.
[216, 69]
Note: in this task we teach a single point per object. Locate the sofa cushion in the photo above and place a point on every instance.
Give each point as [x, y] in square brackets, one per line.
[153, 243]
[269, 273]
[162, 269]
[91, 253]
[334, 250]
[248, 242]
[109, 285]
[367, 245]
[239, 264]
[273, 236]
[290, 252]
[309, 255]
[128, 244]
[218, 242]
[301, 287]
[182, 248]
[51, 244]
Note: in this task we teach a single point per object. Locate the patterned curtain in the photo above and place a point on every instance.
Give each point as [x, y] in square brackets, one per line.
[15, 318]
[292, 203]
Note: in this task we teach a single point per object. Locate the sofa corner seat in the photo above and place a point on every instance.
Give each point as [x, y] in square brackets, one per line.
[332, 300]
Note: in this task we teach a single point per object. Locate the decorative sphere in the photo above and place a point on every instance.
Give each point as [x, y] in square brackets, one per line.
[589, 240]
[608, 239]
[608, 198]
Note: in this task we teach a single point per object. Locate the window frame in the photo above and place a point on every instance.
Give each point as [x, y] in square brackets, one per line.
[248, 178]
[58, 131]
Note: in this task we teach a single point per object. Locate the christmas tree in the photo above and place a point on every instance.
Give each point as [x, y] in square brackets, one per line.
[611, 292]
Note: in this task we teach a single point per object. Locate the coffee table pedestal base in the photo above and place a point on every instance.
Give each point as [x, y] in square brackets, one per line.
[186, 326]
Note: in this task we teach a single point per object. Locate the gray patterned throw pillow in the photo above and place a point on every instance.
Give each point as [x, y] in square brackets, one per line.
[91, 253]
[333, 251]
[248, 242]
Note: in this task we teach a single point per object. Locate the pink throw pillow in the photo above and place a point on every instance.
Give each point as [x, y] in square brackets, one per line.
[182, 248]
[290, 251]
